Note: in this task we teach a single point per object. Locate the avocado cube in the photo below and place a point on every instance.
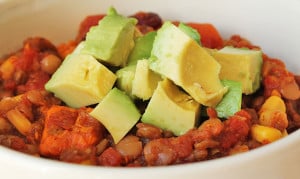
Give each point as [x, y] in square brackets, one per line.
[125, 78]
[193, 33]
[81, 81]
[181, 59]
[240, 64]
[145, 80]
[142, 48]
[112, 39]
[232, 100]
[117, 113]
[171, 109]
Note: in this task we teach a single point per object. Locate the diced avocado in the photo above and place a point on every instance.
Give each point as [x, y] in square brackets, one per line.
[232, 100]
[178, 57]
[240, 64]
[117, 113]
[142, 48]
[81, 81]
[112, 39]
[190, 32]
[171, 109]
[145, 80]
[125, 78]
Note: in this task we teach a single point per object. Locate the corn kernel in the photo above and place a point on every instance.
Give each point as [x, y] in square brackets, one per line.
[9, 103]
[276, 119]
[273, 103]
[7, 68]
[22, 124]
[273, 112]
[265, 134]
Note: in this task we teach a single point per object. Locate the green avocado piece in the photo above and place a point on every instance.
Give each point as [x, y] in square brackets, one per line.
[194, 34]
[240, 64]
[112, 39]
[181, 59]
[81, 81]
[171, 109]
[142, 48]
[125, 78]
[117, 113]
[145, 80]
[232, 100]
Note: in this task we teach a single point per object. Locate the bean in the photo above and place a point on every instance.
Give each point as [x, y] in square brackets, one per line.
[207, 143]
[36, 97]
[148, 131]
[130, 147]
[32, 149]
[290, 90]
[5, 126]
[200, 154]
[13, 142]
[159, 152]
[50, 63]
[103, 144]
[213, 125]
[148, 19]
[110, 157]
[238, 149]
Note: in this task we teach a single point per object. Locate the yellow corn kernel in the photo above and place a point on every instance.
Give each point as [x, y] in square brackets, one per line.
[265, 134]
[7, 68]
[273, 112]
[273, 103]
[276, 119]
[22, 124]
[9, 103]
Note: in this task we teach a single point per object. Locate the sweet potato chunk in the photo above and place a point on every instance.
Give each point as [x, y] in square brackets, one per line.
[69, 129]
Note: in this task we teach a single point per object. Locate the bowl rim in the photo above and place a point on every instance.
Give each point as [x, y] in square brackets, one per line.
[24, 159]
[27, 161]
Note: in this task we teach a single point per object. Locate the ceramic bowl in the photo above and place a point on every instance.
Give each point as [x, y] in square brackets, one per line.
[273, 25]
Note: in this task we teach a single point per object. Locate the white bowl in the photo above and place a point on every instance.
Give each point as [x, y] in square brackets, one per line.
[273, 25]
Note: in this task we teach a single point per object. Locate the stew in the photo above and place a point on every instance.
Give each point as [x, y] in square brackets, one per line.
[35, 122]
